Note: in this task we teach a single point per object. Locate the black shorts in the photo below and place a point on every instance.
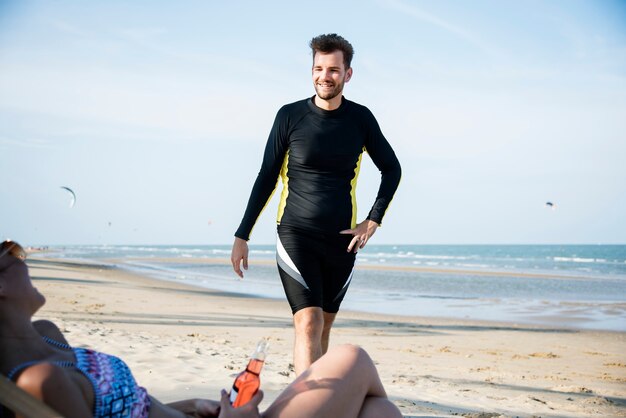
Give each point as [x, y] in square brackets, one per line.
[315, 268]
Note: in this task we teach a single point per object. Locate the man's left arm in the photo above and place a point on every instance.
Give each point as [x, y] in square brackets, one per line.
[385, 159]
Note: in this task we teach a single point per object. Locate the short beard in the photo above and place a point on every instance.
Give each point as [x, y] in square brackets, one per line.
[329, 96]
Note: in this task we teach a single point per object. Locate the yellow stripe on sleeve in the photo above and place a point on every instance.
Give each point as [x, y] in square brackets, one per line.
[353, 190]
[285, 192]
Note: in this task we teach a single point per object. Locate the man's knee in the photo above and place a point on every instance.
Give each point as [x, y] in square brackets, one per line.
[309, 321]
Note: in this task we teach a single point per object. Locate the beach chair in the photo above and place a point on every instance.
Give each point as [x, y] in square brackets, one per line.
[23, 403]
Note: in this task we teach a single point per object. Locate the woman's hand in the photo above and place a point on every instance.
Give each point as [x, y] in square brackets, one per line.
[205, 408]
[196, 408]
[249, 410]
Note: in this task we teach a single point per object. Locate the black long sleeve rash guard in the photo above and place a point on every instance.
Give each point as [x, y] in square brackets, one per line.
[317, 154]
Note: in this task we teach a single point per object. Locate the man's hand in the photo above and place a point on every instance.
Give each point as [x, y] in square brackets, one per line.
[249, 410]
[238, 255]
[362, 233]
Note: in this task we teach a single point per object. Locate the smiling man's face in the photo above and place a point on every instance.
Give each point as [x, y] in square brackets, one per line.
[329, 74]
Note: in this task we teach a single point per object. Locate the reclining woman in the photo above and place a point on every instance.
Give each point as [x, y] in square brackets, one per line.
[78, 382]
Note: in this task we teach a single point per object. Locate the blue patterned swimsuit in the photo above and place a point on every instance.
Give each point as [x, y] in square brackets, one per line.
[116, 394]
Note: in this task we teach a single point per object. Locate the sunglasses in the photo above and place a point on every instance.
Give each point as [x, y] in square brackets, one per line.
[9, 247]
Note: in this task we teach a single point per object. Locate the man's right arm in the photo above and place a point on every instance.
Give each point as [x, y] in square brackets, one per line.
[239, 256]
[264, 186]
[267, 179]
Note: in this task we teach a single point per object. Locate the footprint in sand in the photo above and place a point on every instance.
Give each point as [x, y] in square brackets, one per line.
[404, 403]
[572, 389]
[606, 376]
[597, 400]
[479, 369]
[595, 353]
[614, 364]
[404, 379]
[544, 355]
[518, 357]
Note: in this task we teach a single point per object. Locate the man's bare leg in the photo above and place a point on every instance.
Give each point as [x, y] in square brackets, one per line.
[308, 324]
[329, 318]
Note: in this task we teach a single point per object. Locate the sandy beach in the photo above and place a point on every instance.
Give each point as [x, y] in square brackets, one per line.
[183, 341]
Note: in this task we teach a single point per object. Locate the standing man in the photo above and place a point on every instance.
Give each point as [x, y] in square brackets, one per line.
[315, 146]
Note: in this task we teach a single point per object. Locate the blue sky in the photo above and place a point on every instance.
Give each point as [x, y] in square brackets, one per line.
[156, 114]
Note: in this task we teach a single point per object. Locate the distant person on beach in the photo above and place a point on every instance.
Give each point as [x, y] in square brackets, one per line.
[79, 382]
[316, 146]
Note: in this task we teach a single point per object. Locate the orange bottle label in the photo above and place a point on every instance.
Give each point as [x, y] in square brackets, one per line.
[246, 384]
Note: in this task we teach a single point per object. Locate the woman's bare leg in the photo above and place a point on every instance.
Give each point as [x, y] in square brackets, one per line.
[377, 407]
[343, 383]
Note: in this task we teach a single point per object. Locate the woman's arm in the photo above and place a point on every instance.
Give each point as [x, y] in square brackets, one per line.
[196, 408]
[202, 408]
[52, 385]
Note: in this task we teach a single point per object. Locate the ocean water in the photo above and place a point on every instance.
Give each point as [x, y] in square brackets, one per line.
[579, 286]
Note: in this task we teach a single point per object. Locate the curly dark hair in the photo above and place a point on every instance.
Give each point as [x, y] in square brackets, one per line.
[332, 42]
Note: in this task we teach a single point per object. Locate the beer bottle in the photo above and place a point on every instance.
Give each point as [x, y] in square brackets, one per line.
[248, 381]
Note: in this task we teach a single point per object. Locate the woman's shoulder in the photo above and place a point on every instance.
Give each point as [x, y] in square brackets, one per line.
[50, 330]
